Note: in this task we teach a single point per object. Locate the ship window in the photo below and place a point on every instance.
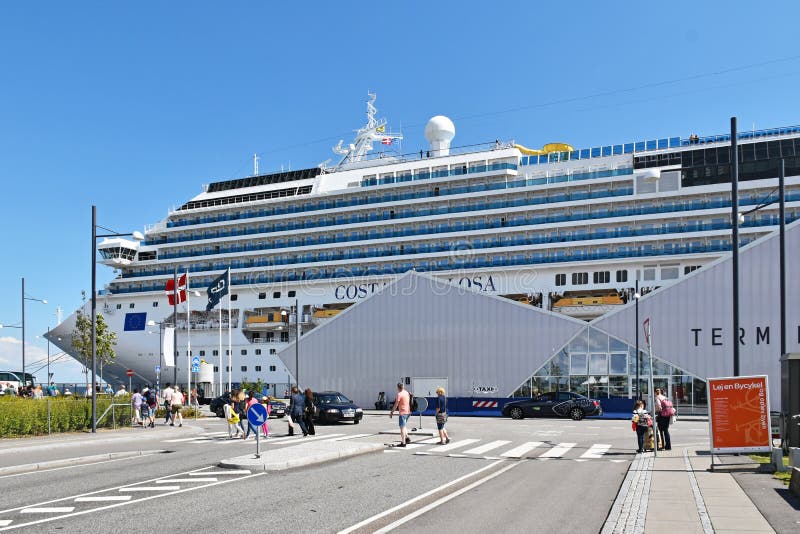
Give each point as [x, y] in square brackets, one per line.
[216, 369]
[244, 368]
[292, 293]
[227, 352]
[622, 276]
[276, 294]
[234, 297]
[227, 369]
[580, 279]
[258, 352]
[244, 352]
[215, 352]
[561, 279]
[601, 277]
[690, 268]
[262, 296]
[270, 337]
[155, 304]
[284, 337]
[202, 353]
[131, 305]
[272, 351]
[258, 368]
[119, 306]
[669, 273]
[272, 368]
[649, 274]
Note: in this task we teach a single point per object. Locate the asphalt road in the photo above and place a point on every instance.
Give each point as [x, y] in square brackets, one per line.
[530, 475]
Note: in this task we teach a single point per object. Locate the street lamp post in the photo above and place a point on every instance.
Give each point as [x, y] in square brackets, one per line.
[160, 353]
[24, 298]
[138, 237]
[636, 296]
[735, 241]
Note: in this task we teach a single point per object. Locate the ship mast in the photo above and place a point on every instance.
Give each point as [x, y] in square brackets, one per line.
[374, 130]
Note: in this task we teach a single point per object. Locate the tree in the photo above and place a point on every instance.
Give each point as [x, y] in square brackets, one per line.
[106, 340]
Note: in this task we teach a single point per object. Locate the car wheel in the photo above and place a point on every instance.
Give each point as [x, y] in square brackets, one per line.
[516, 413]
[220, 413]
[355, 421]
[576, 414]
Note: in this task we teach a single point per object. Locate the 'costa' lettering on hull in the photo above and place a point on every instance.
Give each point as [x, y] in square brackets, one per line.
[360, 291]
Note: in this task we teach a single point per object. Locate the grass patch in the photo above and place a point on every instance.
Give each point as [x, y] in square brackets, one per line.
[764, 458]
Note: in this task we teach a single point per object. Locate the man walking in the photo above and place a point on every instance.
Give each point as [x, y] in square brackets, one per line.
[297, 409]
[167, 396]
[403, 406]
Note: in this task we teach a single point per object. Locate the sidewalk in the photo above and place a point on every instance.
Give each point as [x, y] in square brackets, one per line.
[676, 492]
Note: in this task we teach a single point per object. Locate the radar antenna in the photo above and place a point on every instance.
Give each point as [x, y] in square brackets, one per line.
[374, 130]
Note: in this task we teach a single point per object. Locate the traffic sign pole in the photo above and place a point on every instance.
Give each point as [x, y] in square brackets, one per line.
[256, 416]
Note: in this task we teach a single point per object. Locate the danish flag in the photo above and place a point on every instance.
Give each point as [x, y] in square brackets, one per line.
[386, 141]
[172, 293]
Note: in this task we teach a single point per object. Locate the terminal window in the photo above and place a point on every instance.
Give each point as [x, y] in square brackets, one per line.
[258, 368]
[244, 352]
[272, 368]
[258, 352]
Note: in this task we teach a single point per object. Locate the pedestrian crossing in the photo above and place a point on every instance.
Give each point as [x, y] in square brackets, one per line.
[502, 449]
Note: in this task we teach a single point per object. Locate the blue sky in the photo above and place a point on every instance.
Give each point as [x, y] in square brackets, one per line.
[133, 106]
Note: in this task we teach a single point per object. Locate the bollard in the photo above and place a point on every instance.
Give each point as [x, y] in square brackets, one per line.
[794, 456]
[777, 459]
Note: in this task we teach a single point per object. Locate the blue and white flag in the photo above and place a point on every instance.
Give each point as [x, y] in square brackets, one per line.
[217, 290]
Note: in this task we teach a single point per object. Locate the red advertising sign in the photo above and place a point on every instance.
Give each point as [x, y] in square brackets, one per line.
[129, 372]
[738, 411]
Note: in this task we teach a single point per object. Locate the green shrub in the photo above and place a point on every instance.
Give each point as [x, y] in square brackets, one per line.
[28, 417]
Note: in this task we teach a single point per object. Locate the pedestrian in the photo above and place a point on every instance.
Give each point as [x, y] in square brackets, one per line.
[403, 406]
[147, 410]
[308, 412]
[232, 418]
[67, 392]
[251, 400]
[241, 410]
[121, 391]
[297, 406]
[193, 398]
[136, 403]
[441, 415]
[265, 427]
[38, 393]
[167, 396]
[52, 390]
[642, 421]
[177, 406]
[664, 412]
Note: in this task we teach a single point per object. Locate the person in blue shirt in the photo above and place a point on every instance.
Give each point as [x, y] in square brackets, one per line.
[297, 409]
[441, 415]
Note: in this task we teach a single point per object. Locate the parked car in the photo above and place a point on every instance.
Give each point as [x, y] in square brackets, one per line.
[276, 407]
[333, 407]
[554, 404]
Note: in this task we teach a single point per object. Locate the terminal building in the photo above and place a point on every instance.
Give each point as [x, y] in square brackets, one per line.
[424, 332]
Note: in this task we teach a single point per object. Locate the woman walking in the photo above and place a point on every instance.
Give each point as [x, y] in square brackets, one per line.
[177, 406]
[232, 418]
[251, 400]
[241, 410]
[664, 412]
[441, 415]
[308, 411]
[265, 427]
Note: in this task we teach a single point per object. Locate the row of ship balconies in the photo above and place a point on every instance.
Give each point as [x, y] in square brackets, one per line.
[699, 245]
[484, 242]
[353, 199]
[494, 221]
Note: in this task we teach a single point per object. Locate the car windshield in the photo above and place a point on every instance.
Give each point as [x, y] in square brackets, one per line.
[332, 399]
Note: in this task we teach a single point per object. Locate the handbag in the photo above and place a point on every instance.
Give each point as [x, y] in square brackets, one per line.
[234, 418]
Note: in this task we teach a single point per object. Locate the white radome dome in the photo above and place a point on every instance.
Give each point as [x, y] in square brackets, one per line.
[440, 128]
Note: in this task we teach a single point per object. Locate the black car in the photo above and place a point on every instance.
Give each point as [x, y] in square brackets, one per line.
[554, 404]
[276, 408]
[333, 407]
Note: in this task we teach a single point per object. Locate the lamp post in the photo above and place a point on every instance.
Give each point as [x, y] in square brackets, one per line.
[735, 241]
[160, 353]
[637, 296]
[24, 298]
[297, 315]
[138, 237]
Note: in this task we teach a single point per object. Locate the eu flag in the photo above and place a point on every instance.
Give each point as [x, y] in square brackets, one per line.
[217, 290]
[135, 321]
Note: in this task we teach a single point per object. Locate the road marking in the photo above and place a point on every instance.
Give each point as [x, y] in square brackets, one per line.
[48, 510]
[446, 498]
[416, 499]
[354, 436]
[198, 479]
[454, 445]
[151, 488]
[104, 498]
[486, 448]
[195, 439]
[227, 472]
[596, 451]
[413, 446]
[429, 441]
[5, 522]
[558, 451]
[519, 452]
[456, 455]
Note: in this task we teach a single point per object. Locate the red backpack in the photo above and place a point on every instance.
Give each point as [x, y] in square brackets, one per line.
[667, 409]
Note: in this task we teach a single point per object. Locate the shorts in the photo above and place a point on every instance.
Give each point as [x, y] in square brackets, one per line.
[441, 419]
[402, 420]
[177, 408]
[145, 410]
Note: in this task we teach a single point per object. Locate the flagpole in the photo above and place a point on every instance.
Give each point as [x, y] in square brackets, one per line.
[175, 330]
[219, 329]
[230, 322]
[188, 336]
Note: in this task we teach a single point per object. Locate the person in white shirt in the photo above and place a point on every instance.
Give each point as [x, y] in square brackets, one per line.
[121, 391]
[177, 406]
[167, 396]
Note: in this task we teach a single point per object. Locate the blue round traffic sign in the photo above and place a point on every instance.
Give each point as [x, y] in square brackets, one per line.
[257, 414]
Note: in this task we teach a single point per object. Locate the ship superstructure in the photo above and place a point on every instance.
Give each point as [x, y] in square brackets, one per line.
[568, 230]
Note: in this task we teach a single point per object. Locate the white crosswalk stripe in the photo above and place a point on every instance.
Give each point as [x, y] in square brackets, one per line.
[596, 451]
[353, 436]
[483, 449]
[48, 510]
[151, 488]
[558, 451]
[522, 450]
[455, 445]
[104, 498]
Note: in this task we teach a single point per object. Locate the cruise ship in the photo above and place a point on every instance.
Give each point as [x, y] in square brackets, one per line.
[570, 230]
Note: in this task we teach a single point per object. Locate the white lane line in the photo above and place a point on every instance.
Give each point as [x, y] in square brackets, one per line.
[522, 450]
[418, 498]
[596, 451]
[5, 522]
[413, 446]
[558, 451]
[486, 448]
[104, 498]
[76, 466]
[198, 479]
[354, 436]
[48, 510]
[228, 472]
[429, 441]
[439, 502]
[151, 488]
[454, 445]
[196, 439]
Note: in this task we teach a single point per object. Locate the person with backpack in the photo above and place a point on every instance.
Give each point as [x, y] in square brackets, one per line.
[641, 422]
[402, 405]
[664, 412]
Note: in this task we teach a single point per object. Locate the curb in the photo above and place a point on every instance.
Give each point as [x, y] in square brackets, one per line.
[67, 462]
[282, 465]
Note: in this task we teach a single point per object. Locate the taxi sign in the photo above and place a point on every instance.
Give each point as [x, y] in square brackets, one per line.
[257, 415]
